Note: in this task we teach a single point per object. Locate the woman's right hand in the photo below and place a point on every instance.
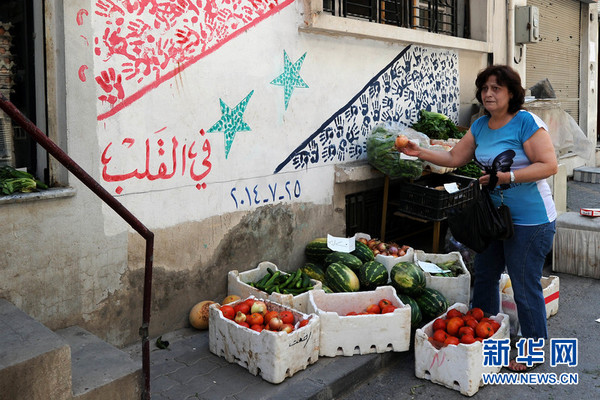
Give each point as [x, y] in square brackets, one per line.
[411, 149]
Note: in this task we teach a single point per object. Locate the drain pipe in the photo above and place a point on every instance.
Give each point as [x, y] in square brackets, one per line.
[510, 33]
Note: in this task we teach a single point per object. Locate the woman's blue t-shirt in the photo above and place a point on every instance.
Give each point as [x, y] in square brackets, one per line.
[530, 202]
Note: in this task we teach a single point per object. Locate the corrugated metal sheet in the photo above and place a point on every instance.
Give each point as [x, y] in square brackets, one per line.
[556, 55]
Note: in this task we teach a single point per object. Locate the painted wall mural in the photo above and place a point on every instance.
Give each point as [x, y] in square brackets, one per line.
[232, 121]
[290, 77]
[147, 42]
[418, 78]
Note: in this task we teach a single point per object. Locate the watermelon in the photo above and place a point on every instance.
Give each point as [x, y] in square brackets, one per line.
[326, 289]
[316, 250]
[363, 252]
[415, 311]
[408, 278]
[372, 274]
[314, 271]
[341, 278]
[432, 303]
[347, 259]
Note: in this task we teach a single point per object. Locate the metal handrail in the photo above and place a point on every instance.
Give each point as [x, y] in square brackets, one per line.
[43, 140]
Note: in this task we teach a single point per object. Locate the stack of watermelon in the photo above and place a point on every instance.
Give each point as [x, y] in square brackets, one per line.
[344, 272]
[426, 303]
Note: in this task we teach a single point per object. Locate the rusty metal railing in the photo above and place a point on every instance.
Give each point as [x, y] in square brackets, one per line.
[43, 140]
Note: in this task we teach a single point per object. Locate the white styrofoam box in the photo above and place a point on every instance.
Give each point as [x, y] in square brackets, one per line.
[237, 283]
[457, 367]
[551, 284]
[457, 289]
[390, 261]
[360, 334]
[273, 355]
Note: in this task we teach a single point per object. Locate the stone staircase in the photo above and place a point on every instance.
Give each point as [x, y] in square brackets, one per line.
[69, 364]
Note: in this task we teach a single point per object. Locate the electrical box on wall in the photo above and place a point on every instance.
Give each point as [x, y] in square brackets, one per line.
[527, 24]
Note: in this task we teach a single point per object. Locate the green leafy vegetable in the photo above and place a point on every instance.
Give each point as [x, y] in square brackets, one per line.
[382, 154]
[437, 126]
[471, 170]
[13, 180]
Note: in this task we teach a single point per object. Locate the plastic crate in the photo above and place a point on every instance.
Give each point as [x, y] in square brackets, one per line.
[421, 198]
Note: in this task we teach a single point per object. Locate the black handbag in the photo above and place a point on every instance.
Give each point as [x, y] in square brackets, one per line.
[477, 224]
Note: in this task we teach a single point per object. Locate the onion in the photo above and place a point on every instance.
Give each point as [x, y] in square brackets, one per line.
[393, 250]
[381, 247]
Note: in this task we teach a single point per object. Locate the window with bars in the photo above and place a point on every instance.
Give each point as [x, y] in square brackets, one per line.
[446, 17]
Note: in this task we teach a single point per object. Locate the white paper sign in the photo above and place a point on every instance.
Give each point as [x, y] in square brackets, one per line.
[430, 267]
[451, 187]
[346, 245]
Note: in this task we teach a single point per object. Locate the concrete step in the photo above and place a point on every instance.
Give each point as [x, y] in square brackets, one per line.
[100, 371]
[35, 363]
[587, 174]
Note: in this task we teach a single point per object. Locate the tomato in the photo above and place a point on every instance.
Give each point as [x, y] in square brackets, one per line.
[287, 317]
[244, 323]
[484, 330]
[472, 322]
[374, 309]
[451, 340]
[453, 313]
[478, 339]
[228, 311]
[255, 319]
[303, 323]
[388, 309]
[269, 315]
[453, 325]
[440, 336]
[466, 330]
[495, 325]
[351, 313]
[439, 323]
[243, 307]
[401, 141]
[467, 339]
[249, 302]
[384, 302]
[476, 312]
[257, 327]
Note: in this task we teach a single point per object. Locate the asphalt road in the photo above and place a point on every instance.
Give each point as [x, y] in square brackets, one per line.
[578, 310]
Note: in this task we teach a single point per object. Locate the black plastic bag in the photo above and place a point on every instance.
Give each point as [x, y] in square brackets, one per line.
[478, 224]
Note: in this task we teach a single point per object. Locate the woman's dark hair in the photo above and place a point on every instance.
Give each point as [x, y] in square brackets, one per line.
[505, 76]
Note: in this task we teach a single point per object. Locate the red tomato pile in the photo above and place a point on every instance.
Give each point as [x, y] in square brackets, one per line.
[254, 314]
[467, 328]
[384, 306]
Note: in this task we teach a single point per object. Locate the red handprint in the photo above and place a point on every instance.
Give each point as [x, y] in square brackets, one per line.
[109, 81]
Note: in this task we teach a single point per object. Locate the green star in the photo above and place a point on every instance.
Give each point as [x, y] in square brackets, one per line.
[231, 121]
[290, 78]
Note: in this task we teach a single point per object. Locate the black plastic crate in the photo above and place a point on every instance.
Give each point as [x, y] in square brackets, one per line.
[421, 198]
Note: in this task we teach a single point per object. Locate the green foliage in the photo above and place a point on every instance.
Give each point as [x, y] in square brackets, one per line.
[13, 180]
[437, 126]
[471, 170]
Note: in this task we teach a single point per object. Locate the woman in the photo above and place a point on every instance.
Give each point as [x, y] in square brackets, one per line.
[506, 126]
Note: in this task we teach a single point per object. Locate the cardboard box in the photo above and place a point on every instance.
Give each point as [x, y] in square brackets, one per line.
[237, 283]
[455, 289]
[360, 334]
[457, 367]
[273, 355]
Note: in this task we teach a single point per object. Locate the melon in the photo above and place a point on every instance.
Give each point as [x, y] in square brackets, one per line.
[199, 315]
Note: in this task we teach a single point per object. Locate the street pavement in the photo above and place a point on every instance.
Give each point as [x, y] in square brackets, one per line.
[188, 370]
